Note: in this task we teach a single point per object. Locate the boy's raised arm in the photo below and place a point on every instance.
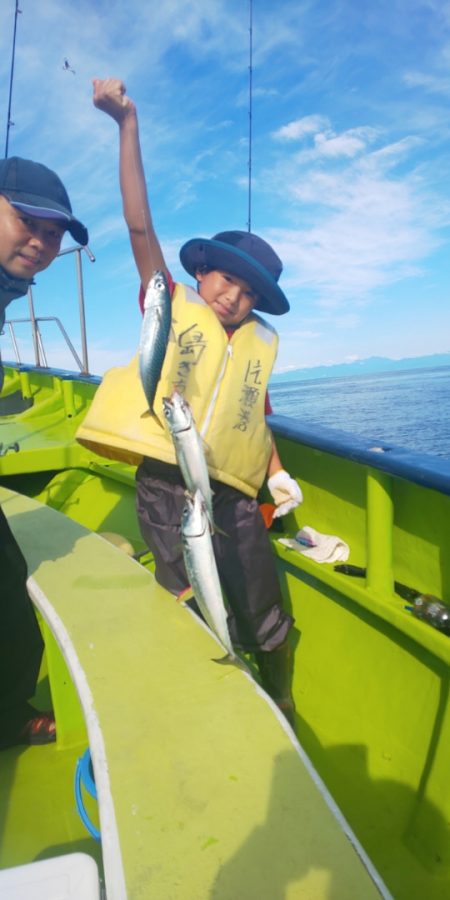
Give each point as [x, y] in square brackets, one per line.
[110, 97]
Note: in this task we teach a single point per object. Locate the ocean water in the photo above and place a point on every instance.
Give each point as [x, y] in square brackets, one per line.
[409, 409]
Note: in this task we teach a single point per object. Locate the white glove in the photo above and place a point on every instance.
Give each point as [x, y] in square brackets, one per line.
[285, 492]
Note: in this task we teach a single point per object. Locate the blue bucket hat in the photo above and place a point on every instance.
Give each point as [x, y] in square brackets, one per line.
[37, 191]
[242, 254]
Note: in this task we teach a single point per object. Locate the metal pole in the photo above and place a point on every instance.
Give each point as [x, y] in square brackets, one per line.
[13, 341]
[11, 78]
[84, 351]
[34, 328]
[42, 353]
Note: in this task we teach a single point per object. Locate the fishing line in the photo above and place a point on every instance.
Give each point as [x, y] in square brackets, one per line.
[250, 116]
[11, 78]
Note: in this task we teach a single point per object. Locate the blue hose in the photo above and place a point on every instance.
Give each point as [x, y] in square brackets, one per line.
[84, 774]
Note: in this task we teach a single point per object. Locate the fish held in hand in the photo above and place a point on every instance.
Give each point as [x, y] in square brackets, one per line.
[201, 568]
[155, 332]
[188, 448]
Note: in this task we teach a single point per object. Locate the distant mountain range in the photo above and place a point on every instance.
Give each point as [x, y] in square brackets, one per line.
[370, 366]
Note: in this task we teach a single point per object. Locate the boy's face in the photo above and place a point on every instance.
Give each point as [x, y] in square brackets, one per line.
[230, 297]
[27, 244]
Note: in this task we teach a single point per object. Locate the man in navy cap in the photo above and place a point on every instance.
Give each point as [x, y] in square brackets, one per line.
[35, 212]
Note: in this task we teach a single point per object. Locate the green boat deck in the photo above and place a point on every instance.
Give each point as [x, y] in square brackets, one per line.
[203, 790]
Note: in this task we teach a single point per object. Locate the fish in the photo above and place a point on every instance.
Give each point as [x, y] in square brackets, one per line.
[202, 571]
[155, 331]
[188, 448]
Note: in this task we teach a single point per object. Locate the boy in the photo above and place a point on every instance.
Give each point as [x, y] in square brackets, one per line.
[221, 361]
[35, 212]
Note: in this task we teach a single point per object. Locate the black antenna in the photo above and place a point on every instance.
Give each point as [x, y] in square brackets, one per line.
[11, 77]
[250, 117]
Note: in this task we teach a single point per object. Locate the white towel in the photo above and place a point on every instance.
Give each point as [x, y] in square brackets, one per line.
[322, 547]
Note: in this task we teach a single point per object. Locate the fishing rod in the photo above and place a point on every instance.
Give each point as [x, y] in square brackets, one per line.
[11, 78]
[250, 115]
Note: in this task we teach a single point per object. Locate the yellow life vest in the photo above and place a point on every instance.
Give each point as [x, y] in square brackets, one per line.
[224, 381]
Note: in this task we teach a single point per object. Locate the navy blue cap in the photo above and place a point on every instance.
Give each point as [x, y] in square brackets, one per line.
[245, 255]
[37, 191]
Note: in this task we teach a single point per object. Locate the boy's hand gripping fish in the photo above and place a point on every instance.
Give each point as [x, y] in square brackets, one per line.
[188, 448]
[155, 332]
[202, 570]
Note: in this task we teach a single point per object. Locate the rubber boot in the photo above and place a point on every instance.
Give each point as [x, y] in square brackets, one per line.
[275, 670]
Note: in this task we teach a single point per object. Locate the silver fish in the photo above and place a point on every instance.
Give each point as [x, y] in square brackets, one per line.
[202, 570]
[188, 448]
[155, 332]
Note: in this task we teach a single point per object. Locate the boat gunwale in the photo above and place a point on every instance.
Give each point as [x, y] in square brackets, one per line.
[420, 468]
[423, 469]
[63, 374]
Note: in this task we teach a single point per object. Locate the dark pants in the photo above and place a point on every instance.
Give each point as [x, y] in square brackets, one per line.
[21, 644]
[244, 556]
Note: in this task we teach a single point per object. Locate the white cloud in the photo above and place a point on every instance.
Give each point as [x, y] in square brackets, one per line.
[392, 154]
[299, 335]
[300, 128]
[325, 143]
[434, 84]
[364, 225]
[347, 144]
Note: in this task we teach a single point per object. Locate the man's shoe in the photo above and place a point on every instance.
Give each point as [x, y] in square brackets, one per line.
[35, 728]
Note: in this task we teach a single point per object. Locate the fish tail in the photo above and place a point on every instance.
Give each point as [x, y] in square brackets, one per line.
[213, 528]
[185, 595]
[216, 530]
[232, 660]
[150, 413]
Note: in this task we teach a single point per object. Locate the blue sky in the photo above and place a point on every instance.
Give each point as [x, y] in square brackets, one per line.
[351, 158]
